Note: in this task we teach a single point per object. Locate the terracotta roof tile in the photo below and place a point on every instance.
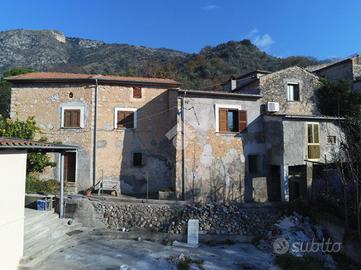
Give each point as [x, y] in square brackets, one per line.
[30, 144]
[74, 76]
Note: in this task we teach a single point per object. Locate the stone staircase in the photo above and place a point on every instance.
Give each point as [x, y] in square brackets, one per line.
[45, 233]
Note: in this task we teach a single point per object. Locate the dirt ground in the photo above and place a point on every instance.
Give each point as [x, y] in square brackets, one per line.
[132, 254]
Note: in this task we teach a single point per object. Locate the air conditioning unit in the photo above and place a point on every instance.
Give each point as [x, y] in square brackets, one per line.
[273, 106]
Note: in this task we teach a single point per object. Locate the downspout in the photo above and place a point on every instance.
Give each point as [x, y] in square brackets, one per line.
[61, 203]
[95, 132]
[183, 147]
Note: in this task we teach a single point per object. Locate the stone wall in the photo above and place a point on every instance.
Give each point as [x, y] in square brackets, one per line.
[340, 71]
[156, 115]
[213, 218]
[44, 101]
[274, 88]
[357, 86]
[357, 71]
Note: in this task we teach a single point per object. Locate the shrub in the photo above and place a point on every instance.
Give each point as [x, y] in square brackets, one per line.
[35, 185]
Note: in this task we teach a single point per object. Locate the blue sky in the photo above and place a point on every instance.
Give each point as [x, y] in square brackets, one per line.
[319, 28]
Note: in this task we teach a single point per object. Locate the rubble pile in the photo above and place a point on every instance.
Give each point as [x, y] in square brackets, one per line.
[298, 236]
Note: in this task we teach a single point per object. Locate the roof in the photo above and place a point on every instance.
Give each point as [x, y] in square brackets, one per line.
[257, 71]
[76, 77]
[12, 143]
[307, 117]
[247, 75]
[202, 93]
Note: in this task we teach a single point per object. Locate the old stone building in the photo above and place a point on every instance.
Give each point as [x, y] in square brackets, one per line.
[296, 136]
[348, 69]
[218, 134]
[130, 115]
[255, 141]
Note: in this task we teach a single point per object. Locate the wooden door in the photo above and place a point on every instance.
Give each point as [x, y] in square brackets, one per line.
[69, 166]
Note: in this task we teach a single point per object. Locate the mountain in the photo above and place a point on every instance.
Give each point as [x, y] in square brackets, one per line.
[51, 50]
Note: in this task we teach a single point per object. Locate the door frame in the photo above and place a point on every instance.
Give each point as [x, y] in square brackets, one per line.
[76, 166]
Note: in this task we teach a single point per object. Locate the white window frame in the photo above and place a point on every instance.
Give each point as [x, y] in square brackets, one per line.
[72, 107]
[134, 110]
[293, 93]
[225, 106]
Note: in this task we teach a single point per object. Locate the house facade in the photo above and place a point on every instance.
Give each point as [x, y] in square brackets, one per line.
[296, 135]
[348, 69]
[255, 141]
[130, 115]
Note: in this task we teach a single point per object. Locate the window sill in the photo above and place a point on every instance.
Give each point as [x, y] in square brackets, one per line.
[124, 129]
[294, 101]
[229, 133]
[71, 128]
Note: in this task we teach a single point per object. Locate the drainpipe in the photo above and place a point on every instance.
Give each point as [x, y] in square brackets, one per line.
[61, 203]
[183, 147]
[95, 132]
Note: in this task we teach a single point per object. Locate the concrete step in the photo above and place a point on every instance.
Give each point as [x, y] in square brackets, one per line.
[32, 260]
[45, 236]
[49, 222]
[45, 233]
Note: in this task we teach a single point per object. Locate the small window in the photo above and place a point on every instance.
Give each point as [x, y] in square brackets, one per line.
[232, 120]
[293, 92]
[125, 119]
[253, 164]
[71, 118]
[137, 92]
[137, 159]
[331, 139]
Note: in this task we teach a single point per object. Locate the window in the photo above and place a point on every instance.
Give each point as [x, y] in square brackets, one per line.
[253, 164]
[231, 120]
[293, 92]
[137, 159]
[313, 141]
[331, 139]
[125, 118]
[71, 118]
[137, 92]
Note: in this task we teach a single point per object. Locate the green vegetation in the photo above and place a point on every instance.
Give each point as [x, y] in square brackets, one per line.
[338, 99]
[290, 262]
[36, 162]
[211, 66]
[34, 185]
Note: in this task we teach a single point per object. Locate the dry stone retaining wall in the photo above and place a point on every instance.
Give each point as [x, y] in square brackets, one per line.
[213, 218]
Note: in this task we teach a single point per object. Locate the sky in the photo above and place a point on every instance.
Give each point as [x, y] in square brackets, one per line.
[319, 28]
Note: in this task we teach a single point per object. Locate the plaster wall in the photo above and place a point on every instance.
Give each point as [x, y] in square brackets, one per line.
[12, 196]
[216, 163]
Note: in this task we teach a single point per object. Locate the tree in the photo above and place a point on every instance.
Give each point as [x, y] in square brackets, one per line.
[27, 129]
[338, 99]
[5, 89]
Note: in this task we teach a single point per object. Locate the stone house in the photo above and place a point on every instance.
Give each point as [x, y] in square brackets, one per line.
[296, 136]
[257, 140]
[348, 69]
[130, 115]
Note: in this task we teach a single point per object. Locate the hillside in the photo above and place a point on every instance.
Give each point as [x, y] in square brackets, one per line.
[50, 50]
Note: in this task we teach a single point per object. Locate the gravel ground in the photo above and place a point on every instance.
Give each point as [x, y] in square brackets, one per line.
[131, 254]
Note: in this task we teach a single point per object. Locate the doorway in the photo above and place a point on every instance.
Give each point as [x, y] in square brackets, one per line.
[70, 167]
